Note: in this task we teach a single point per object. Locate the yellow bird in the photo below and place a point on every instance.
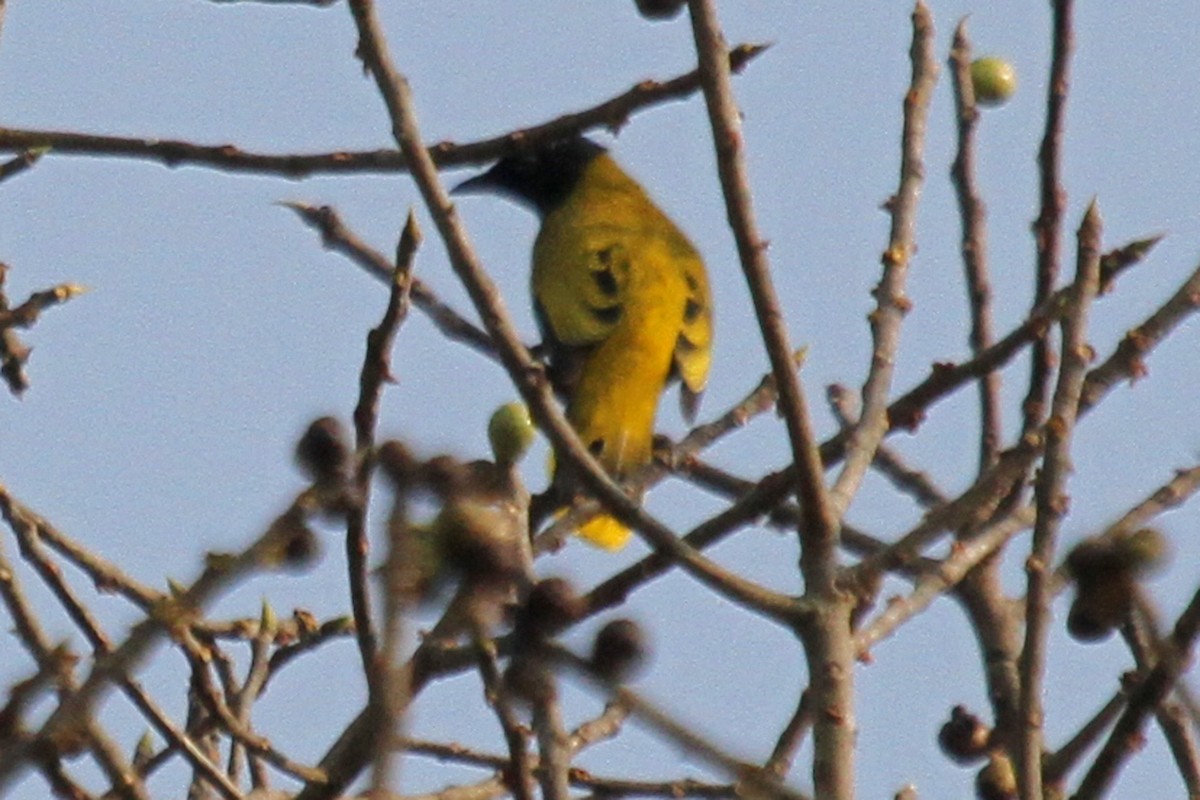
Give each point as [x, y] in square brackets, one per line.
[621, 297]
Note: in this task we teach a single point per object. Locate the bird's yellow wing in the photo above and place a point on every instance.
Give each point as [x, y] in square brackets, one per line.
[622, 298]
[580, 286]
[693, 346]
[622, 316]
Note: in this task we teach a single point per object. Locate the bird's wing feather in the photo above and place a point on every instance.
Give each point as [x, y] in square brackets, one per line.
[693, 347]
[581, 302]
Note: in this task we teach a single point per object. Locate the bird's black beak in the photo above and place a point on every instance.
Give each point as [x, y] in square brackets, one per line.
[514, 179]
[480, 184]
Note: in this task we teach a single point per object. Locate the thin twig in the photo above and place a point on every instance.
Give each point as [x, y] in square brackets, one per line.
[612, 113]
[1143, 699]
[252, 686]
[980, 592]
[1143, 633]
[389, 680]
[1058, 764]
[974, 506]
[756, 780]
[996, 621]
[29, 527]
[1181, 738]
[1052, 505]
[820, 530]
[519, 760]
[1047, 228]
[790, 739]
[20, 749]
[314, 3]
[891, 302]
[104, 574]
[786, 516]
[827, 641]
[326, 632]
[1172, 494]
[974, 242]
[554, 757]
[908, 411]
[608, 787]
[375, 373]
[13, 352]
[338, 237]
[219, 574]
[602, 728]
[25, 160]
[223, 717]
[27, 313]
[937, 582]
[1146, 615]
[1126, 362]
[887, 461]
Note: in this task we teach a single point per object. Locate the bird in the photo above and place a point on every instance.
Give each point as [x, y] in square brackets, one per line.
[621, 297]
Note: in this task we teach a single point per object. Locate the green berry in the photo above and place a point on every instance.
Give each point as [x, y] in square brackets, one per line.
[510, 431]
[994, 80]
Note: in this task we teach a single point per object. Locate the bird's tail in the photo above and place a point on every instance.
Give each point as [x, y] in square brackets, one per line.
[613, 412]
[626, 447]
[605, 531]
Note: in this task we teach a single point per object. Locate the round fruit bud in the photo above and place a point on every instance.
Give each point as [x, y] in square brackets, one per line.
[1100, 606]
[994, 80]
[620, 650]
[510, 432]
[322, 451]
[398, 463]
[1084, 626]
[964, 737]
[551, 606]
[482, 540]
[1096, 560]
[659, 9]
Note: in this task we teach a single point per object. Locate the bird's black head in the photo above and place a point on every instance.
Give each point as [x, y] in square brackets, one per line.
[541, 178]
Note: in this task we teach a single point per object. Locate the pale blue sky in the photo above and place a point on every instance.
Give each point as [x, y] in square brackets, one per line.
[164, 403]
